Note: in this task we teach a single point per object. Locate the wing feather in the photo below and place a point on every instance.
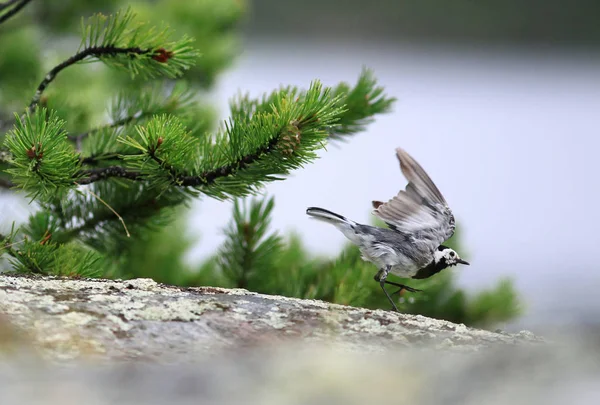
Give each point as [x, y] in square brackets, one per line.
[418, 209]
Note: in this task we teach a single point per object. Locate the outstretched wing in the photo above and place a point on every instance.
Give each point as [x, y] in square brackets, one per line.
[419, 209]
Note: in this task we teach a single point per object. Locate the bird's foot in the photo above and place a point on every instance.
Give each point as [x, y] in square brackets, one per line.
[407, 288]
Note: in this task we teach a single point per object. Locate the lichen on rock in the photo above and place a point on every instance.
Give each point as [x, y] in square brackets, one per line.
[68, 318]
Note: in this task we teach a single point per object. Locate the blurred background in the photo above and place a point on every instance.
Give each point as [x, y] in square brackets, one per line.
[497, 100]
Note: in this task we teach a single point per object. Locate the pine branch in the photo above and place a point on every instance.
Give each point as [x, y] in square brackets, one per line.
[261, 143]
[250, 250]
[206, 178]
[97, 52]
[102, 173]
[146, 50]
[18, 5]
[263, 139]
[42, 160]
[361, 103]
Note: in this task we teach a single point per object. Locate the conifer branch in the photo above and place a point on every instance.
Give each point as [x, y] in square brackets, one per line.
[102, 173]
[182, 180]
[18, 5]
[147, 51]
[208, 178]
[97, 52]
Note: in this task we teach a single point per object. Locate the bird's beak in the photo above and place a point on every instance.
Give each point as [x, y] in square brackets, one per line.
[461, 261]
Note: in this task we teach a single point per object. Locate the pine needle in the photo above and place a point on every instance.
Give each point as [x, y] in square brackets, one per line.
[10, 245]
[110, 208]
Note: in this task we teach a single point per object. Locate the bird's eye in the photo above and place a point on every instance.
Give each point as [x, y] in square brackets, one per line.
[452, 254]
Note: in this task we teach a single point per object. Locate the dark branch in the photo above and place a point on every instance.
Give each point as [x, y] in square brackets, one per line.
[12, 11]
[181, 180]
[102, 173]
[207, 178]
[96, 51]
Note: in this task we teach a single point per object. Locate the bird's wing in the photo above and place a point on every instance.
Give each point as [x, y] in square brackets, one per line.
[419, 209]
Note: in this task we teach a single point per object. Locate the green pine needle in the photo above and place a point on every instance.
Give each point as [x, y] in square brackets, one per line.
[249, 250]
[361, 103]
[43, 161]
[149, 51]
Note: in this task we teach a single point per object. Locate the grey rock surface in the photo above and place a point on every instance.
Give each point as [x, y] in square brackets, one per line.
[140, 319]
[104, 342]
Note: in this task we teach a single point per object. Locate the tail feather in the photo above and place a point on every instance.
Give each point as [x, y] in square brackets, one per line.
[328, 216]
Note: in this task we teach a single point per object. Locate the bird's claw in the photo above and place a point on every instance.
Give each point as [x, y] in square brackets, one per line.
[409, 289]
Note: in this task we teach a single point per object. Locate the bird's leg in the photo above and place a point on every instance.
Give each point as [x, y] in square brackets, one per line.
[380, 277]
[403, 287]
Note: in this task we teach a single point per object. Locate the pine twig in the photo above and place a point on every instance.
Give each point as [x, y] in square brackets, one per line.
[96, 51]
[206, 178]
[103, 173]
[19, 5]
[225, 170]
[8, 246]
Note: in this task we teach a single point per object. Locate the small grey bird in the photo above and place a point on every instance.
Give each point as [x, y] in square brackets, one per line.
[419, 220]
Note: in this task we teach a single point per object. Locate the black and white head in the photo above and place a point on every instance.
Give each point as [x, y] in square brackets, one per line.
[446, 257]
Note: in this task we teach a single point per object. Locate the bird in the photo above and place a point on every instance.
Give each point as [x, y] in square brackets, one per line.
[419, 221]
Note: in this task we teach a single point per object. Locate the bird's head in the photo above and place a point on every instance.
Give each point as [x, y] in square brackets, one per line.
[447, 257]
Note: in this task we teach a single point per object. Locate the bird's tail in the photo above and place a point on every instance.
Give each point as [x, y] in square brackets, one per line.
[330, 217]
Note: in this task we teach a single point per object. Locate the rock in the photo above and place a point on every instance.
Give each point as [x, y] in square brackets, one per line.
[141, 319]
[136, 341]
